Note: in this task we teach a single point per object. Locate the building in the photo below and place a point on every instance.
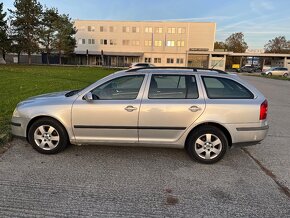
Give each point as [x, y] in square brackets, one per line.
[120, 43]
[162, 43]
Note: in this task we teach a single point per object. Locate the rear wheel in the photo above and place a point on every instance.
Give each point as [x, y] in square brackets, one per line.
[285, 74]
[47, 136]
[207, 144]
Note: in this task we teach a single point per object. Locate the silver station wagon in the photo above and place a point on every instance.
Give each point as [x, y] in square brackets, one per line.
[203, 111]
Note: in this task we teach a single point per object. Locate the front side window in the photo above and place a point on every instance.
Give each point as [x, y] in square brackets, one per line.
[173, 87]
[222, 88]
[122, 88]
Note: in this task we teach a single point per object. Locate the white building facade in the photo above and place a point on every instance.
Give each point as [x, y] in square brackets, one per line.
[120, 43]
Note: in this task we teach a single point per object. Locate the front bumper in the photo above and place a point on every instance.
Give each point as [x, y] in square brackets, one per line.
[19, 126]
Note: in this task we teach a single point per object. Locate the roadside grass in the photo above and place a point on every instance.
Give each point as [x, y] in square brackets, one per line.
[270, 77]
[18, 82]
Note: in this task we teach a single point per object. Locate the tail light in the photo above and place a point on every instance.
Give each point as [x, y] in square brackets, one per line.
[264, 110]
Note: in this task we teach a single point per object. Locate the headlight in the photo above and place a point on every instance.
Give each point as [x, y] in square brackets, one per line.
[16, 113]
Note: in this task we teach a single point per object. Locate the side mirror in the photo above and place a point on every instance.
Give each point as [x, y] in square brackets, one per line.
[88, 97]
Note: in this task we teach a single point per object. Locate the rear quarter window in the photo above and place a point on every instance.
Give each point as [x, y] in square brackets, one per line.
[223, 88]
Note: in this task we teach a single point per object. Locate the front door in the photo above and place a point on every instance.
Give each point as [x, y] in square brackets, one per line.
[112, 115]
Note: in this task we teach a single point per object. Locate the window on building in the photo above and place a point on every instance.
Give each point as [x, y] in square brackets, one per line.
[158, 29]
[171, 30]
[135, 42]
[103, 41]
[157, 60]
[102, 29]
[91, 41]
[148, 29]
[81, 41]
[135, 29]
[126, 42]
[111, 28]
[179, 60]
[148, 43]
[170, 61]
[147, 60]
[180, 43]
[158, 43]
[113, 42]
[170, 43]
[180, 30]
[126, 29]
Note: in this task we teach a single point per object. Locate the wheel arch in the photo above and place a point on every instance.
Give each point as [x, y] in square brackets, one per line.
[219, 126]
[34, 119]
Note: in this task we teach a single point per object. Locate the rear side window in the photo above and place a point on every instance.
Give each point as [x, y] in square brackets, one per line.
[222, 88]
[173, 87]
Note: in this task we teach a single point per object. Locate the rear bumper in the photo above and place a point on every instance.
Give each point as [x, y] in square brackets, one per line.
[249, 133]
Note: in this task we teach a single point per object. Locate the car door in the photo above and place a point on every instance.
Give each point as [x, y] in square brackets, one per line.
[171, 103]
[112, 115]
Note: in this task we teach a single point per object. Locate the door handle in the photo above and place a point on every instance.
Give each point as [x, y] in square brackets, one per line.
[130, 108]
[194, 108]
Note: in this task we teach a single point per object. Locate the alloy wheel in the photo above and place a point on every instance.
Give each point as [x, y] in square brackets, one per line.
[46, 137]
[208, 146]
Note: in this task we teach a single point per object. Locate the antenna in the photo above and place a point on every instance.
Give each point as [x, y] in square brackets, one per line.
[217, 63]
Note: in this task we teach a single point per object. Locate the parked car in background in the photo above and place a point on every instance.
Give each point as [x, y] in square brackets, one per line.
[250, 69]
[277, 71]
[141, 65]
[204, 111]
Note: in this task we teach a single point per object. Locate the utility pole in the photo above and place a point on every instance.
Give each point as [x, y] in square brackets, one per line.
[87, 57]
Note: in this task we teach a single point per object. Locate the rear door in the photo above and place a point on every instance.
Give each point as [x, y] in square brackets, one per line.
[171, 103]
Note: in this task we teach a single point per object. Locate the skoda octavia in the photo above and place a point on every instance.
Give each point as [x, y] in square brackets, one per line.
[203, 111]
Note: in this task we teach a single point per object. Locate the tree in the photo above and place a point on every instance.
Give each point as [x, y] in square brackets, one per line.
[64, 41]
[278, 45]
[4, 43]
[220, 45]
[47, 30]
[236, 43]
[25, 21]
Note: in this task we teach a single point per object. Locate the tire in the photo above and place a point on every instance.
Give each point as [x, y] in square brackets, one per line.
[269, 74]
[285, 74]
[47, 136]
[213, 148]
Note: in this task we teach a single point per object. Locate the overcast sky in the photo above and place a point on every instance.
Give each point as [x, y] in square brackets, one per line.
[259, 20]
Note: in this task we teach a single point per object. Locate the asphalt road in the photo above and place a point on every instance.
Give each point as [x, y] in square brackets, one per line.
[104, 181]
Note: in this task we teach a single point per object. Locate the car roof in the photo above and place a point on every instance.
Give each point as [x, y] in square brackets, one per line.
[176, 69]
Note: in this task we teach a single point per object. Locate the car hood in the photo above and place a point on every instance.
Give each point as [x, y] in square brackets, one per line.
[49, 98]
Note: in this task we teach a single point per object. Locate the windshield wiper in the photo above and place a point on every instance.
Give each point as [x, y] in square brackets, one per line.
[71, 93]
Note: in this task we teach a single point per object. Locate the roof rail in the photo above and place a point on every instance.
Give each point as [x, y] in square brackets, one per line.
[194, 69]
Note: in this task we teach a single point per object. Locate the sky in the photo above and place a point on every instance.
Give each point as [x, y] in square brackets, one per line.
[259, 20]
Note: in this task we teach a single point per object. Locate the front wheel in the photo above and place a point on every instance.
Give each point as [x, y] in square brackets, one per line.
[269, 74]
[47, 136]
[207, 144]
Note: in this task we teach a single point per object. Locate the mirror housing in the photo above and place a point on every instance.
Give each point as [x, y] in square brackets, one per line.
[88, 97]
